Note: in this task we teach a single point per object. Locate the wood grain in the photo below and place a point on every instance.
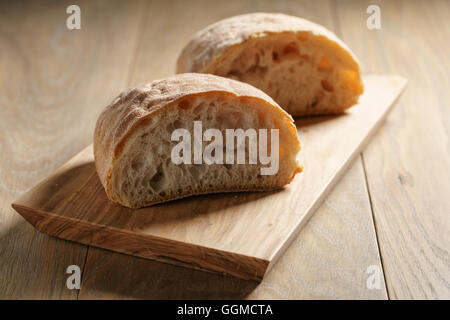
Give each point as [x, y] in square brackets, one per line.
[407, 165]
[328, 260]
[337, 245]
[102, 277]
[211, 232]
[54, 83]
[156, 52]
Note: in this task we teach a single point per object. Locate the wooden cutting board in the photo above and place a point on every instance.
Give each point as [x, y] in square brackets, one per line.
[241, 234]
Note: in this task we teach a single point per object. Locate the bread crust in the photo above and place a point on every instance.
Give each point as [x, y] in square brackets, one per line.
[203, 53]
[139, 104]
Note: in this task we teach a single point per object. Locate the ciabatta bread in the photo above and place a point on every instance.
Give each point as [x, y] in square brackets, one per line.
[133, 139]
[303, 66]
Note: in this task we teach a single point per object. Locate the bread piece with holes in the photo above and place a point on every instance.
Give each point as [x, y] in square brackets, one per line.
[133, 139]
[303, 66]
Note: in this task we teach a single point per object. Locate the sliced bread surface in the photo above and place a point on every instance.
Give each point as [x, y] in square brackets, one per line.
[303, 66]
[133, 142]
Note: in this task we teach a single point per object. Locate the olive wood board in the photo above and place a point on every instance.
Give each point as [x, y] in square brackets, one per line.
[240, 234]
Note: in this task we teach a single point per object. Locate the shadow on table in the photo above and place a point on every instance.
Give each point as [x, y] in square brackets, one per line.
[112, 275]
[33, 265]
[304, 123]
[106, 274]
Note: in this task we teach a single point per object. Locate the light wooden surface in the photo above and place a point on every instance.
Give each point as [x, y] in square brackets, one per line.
[408, 164]
[55, 82]
[212, 232]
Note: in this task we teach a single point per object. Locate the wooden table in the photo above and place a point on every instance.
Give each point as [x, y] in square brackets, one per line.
[391, 211]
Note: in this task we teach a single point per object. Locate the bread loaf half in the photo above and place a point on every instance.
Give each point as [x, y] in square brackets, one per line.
[134, 140]
[303, 66]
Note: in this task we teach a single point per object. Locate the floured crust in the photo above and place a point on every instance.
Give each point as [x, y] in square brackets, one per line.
[137, 105]
[204, 51]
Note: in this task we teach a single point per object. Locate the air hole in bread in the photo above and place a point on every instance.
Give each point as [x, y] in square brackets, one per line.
[200, 108]
[291, 48]
[275, 56]
[325, 64]
[158, 180]
[196, 172]
[136, 164]
[178, 124]
[327, 86]
[185, 104]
